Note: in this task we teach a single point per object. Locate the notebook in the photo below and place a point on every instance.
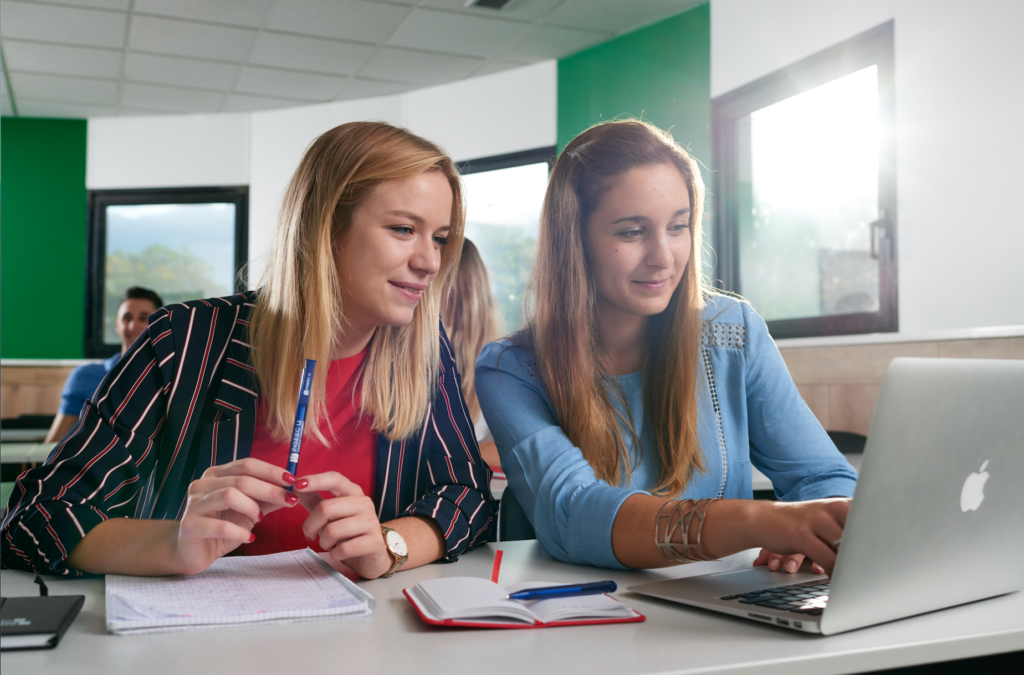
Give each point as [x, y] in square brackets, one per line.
[268, 589]
[479, 603]
[37, 622]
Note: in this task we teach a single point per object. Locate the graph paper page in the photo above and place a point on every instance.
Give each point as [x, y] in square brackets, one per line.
[296, 585]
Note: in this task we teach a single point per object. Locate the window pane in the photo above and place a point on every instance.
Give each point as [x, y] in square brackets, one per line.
[808, 175]
[502, 219]
[181, 251]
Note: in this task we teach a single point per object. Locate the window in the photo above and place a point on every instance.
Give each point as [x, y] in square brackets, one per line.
[504, 195]
[182, 243]
[805, 197]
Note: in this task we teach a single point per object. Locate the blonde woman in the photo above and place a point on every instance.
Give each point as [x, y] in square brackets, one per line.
[471, 318]
[180, 457]
[629, 411]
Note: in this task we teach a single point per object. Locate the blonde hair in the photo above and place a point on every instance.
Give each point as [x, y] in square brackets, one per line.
[470, 315]
[563, 329]
[299, 311]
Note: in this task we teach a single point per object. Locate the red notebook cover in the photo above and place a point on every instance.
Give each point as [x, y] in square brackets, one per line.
[455, 623]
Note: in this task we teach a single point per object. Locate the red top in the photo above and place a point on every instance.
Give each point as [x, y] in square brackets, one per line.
[353, 454]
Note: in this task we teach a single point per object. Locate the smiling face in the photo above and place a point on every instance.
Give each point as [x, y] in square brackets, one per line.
[132, 319]
[638, 242]
[392, 251]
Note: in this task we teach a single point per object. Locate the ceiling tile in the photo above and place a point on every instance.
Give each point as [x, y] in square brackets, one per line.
[523, 10]
[60, 60]
[492, 67]
[616, 16]
[308, 53]
[183, 38]
[455, 33]
[234, 12]
[340, 19]
[549, 42]
[34, 108]
[71, 89]
[359, 88]
[121, 5]
[246, 103]
[421, 68]
[170, 100]
[5, 107]
[288, 84]
[147, 68]
[61, 25]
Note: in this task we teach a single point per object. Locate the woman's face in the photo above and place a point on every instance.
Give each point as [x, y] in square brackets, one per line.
[392, 251]
[638, 241]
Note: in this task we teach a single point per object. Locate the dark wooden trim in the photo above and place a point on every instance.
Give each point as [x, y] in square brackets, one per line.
[493, 163]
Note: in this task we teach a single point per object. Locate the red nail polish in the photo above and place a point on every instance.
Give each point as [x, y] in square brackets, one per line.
[291, 499]
[288, 478]
[252, 537]
[259, 517]
[301, 484]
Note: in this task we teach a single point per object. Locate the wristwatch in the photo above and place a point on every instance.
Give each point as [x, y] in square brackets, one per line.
[396, 546]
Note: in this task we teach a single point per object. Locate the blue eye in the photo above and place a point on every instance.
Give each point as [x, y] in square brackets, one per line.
[441, 241]
[401, 229]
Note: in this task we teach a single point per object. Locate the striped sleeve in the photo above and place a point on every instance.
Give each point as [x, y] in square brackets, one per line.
[458, 494]
[98, 470]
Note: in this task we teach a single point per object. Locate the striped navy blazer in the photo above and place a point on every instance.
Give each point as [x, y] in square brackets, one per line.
[184, 398]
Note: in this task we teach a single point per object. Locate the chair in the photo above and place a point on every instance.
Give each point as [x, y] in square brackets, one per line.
[513, 525]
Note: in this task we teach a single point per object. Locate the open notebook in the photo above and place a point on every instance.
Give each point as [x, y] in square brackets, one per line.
[474, 602]
[278, 588]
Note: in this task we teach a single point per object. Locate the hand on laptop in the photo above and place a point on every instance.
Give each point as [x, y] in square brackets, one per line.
[784, 563]
[792, 530]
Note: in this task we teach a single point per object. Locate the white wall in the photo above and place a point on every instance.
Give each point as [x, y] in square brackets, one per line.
[490, 115]
[959, 106]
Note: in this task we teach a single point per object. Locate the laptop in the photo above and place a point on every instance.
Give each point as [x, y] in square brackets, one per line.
[941, 484]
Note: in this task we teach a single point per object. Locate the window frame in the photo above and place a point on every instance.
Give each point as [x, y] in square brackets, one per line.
[872, 47]
[99, 200]
[547, 154]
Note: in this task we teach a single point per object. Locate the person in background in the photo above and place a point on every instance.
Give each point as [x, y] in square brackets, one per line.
[471, 317]
[181, 457]
[627, 414]
[132, 318]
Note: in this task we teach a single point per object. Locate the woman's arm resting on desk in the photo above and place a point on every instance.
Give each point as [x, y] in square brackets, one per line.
[220, 511]
[734, 525]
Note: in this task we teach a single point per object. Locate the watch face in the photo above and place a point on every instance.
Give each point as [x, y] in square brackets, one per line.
[397, 544]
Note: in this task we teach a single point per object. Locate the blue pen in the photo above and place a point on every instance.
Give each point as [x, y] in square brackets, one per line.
[300, 416]
[547, 592]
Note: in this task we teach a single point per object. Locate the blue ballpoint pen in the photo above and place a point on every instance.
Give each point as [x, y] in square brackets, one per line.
[300, 416]
[570, 590]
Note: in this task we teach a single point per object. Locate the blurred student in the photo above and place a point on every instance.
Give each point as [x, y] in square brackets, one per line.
[132, 317]
[180, 459]
[472, 320]
[628, 413]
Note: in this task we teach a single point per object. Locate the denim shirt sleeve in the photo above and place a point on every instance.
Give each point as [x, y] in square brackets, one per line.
[787, 443]
[569, 507]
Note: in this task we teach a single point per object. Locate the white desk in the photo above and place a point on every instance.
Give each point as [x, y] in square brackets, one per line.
[674, 639]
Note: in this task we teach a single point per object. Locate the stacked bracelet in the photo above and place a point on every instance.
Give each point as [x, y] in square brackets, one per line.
[674, 534]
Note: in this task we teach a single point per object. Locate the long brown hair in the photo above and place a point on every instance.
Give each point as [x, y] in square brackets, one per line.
[300, 313]
[470, 316]
[563, 330]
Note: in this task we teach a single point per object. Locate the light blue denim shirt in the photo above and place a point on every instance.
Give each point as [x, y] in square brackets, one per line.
[749, 410]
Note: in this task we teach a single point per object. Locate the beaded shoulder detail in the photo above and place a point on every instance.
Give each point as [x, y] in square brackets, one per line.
[723, 335]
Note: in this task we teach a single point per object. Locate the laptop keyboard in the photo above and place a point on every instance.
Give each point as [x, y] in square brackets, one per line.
[808, 598]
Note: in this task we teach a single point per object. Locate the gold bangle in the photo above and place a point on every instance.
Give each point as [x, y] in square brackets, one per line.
[679, 519]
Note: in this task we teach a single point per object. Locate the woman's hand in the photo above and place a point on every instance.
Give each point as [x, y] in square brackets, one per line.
[346, 525]
[789, 531]
[222, 507]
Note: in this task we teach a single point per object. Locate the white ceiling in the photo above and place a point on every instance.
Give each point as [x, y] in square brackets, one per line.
[96, 58]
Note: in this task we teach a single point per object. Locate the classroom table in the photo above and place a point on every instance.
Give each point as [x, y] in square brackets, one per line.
[24, 453]
[673, 639]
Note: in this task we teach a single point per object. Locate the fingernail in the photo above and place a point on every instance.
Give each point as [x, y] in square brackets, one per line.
[301, 484]
[288, 478]
[291, 499]
[259, 517]
[791, 566]
[252, 537]
[773, 564]
[307, 538]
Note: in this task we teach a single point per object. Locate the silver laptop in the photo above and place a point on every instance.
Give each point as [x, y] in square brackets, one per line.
[940, 483]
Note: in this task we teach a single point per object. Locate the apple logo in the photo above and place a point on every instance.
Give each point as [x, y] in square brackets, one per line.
[973, 492]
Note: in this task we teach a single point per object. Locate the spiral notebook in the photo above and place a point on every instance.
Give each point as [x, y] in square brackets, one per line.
[268, 589]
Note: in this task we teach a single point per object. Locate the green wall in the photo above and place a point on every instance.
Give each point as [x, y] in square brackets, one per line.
[42, 238]
[661, 73]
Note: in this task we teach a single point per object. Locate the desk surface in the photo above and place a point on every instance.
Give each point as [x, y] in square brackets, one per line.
[18, 453]
[674, 639]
